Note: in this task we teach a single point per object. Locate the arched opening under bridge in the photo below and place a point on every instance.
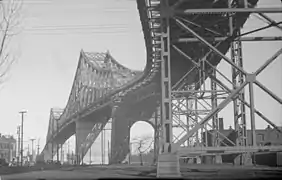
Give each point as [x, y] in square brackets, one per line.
[141, 143]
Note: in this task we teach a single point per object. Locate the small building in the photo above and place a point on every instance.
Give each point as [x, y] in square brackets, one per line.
[264, 137]
[7, 147]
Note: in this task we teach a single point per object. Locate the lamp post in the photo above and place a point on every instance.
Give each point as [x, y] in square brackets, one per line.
[22, 114]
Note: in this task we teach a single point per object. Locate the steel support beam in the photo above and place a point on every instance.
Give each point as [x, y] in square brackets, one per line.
[156, 136]
[229, 10]
[166, 101]
[239, 111]
[245, 39]
[212, 113]
[214, 49]
[226, 150]
[215, 120]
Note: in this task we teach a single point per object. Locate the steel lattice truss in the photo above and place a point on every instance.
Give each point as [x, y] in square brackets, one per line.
[202, 32]
[53, 117]
[201, 37]
[98, 76]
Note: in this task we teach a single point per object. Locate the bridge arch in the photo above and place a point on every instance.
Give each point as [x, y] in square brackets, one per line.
[142, 123]
[141, 133]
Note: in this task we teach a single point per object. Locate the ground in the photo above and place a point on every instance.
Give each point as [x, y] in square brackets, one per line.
[126, 171]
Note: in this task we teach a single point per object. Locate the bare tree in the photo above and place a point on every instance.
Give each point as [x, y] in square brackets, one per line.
[143, 144]
[9, 20]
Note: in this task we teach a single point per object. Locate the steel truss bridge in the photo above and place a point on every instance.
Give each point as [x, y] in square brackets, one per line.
[185, 41]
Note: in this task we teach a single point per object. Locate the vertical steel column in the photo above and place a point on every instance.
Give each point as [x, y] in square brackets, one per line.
[187, 119]
[202, 83]
[252, 112]
[206, 136]
[166, 101]
[237, 80]
[214, 105]
[202, 88]
[196, 120]
[102, 145]
[156, 137]
[202, 132]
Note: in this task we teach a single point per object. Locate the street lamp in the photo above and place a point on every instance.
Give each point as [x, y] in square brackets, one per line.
[22, 114]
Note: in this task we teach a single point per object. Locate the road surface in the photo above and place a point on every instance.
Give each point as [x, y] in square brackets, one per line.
[126, 171]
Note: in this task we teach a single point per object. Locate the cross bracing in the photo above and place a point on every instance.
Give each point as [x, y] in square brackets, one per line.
[184, 45]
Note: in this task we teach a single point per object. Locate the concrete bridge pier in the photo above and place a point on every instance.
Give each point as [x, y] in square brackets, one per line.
[120, 139]
[82, 129]
[47, 153]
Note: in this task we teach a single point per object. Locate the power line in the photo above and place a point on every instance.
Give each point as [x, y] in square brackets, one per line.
[82, 33]
[74, 28]
[70, 2]
[83, 29]
[83, 25]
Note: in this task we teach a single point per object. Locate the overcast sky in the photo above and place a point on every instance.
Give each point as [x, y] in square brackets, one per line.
[56, 30]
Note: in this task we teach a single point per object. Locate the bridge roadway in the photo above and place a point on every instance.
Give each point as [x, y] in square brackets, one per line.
[135, 171]
[85, 114]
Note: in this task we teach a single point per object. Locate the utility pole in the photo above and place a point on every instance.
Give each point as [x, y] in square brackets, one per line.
[19, 144]
[22, 114]
[32, 154]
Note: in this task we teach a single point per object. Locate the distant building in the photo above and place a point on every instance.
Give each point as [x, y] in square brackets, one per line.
[7, 147]
[264, 137]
